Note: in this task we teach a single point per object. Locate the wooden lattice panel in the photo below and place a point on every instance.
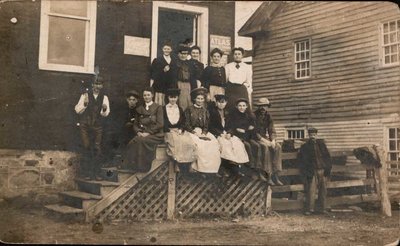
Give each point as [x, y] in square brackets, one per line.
[228, 196]
[146, 200]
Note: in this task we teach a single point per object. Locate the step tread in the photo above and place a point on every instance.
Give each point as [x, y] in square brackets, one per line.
[64, 209]
[100, 182]
[114, 169]
[82, 195]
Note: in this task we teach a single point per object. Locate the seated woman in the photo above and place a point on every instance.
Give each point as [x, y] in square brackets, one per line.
[206, 145]
[241, 124]
[148, 126]
[213, 77]
[232, 148]
[179, 143]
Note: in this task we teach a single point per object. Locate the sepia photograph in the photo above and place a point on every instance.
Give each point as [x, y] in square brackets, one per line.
[139, 122]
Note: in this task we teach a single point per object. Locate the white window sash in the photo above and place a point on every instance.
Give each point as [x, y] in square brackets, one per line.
[302, 64]
[390, 44]
[90, 40]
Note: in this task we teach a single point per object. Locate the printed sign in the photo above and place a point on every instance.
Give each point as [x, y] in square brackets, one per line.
[137, 46]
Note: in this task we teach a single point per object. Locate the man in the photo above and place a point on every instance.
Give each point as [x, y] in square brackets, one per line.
[195, 52]
[132, 98]
[265, 135]
[239, 78]
[315, 165]
[93, 107]
[184, 77]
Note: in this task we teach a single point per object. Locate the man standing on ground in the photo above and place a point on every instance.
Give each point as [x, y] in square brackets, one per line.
[93, 107]
[315, 165]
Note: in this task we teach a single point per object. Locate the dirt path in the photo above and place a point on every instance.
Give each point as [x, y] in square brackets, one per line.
[34, 225]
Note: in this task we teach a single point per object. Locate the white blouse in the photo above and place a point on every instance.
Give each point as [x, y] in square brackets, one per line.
[173, 113]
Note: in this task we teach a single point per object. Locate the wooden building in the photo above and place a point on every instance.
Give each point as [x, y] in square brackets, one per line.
[49, 47]
[49, 51]
[331, 65]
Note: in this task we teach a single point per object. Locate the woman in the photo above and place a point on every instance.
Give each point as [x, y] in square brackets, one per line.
[206, 145]
[179, 143]
[241, 124]
[232, 148]
[214, 77]
[148, 127]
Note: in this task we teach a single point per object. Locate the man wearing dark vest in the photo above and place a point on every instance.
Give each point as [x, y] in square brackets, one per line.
[315, 164]
[93, 107]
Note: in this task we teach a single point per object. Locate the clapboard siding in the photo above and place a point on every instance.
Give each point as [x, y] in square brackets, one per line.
[347, 81]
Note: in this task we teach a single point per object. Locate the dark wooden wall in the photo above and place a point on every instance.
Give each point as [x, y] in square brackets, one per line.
[347, 81]
[37, 106]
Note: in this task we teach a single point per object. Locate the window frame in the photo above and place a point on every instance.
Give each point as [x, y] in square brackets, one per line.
[90, 42]
[295, 62]
[382, 45]
[295, 129]
[396, 138]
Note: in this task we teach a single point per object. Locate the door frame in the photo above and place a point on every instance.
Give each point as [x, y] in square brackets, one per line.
[202, 30]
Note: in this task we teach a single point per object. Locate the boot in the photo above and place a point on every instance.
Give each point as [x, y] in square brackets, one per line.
[277, 181]
[262, 177]
[270, 182]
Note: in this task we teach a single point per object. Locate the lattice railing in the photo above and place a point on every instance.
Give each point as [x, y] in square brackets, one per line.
[146, 200]
[163, 195]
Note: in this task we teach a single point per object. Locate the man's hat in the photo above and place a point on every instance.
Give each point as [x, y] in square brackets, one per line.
[262, 102]
[173, 92]
[242, 100]
[312, 130]
[198, 91]
[219, 97]
[98, 80]
[132, 93]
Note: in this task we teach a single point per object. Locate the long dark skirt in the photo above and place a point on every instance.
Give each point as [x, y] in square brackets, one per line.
[141, 151]
[233, 93]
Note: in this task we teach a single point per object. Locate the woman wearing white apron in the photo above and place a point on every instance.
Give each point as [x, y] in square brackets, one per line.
[197, 118]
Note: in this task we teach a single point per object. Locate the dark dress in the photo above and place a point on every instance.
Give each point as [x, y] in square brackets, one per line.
[198, 68]
[163, 80]
[214, 79]
[185, 80]
[244, 121]
[141, 151]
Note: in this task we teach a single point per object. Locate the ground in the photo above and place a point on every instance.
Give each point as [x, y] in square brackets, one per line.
[27, 223]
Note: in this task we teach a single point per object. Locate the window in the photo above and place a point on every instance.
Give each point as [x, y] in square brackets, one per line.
[390, 43]
[67, 36]
[394, 151]
[302, 59]
[295, 134]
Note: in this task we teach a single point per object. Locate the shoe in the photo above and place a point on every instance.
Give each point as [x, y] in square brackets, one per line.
[277, 181]
[307, 213]
[324, 212]
[262, 178]
[270, 182]
[98, 178]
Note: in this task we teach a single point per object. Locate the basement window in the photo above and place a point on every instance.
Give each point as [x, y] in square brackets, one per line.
[67, 36]
[295, 134]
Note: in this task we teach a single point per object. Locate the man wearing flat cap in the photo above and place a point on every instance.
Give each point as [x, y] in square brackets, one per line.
[93, 107]
[315, 165]
[265, 135]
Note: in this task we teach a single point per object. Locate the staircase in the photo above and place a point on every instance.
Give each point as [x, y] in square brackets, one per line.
[91, 196]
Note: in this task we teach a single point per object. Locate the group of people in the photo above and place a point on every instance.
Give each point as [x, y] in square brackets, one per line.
[204, 117]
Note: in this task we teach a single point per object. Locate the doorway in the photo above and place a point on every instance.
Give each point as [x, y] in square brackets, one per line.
[179, 23]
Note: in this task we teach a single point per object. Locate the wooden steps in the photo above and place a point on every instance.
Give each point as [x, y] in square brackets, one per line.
[92, 196]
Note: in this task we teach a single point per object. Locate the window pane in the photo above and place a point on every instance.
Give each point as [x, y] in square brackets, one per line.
[392, 145]
[302, 46]
[385, 27]
[78, 8]
[303, 56]
[393, 157]
[297, 46]
[308, 56]
[298, 74]
[387, 59]
[398, 132]
[303, 73]
[308, 72]
[307, 45]
[297, 56]
[393, 49]
[66, 41]
[385, 39]
[394, 58]
[393, 38]
[392, 26]
[392, 132]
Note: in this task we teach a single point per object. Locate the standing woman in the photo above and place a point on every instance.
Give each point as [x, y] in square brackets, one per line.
[162, 73]
[214, 77]
[148, 126]
[241, 124]
[206, 145]
[179, 143]
[233, 151]
[239, 78]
